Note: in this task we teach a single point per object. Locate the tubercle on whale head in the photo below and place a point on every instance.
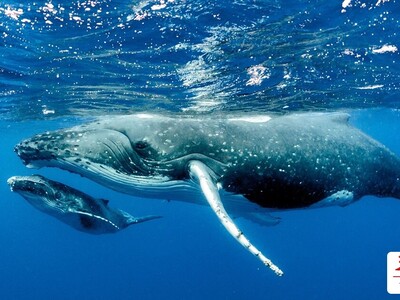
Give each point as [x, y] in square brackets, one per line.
[47, 146]
[31, 154]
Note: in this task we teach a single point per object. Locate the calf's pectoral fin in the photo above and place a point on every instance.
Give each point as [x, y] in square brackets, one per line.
[200, 173]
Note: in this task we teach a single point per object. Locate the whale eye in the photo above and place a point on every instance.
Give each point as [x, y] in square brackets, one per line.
[57, 195]
[141, 145]
[145, 150]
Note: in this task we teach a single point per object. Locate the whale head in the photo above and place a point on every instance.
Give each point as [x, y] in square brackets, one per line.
[133, 151]
[40, 192]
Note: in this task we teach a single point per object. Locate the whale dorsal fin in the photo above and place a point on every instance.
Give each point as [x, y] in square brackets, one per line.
[105, 201]
[202, 175]
[342, 118]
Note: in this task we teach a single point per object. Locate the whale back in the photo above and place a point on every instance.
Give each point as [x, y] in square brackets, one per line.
[293, 161]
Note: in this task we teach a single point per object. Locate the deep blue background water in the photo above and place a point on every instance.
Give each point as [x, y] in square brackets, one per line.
[61, 63]
[327, 253]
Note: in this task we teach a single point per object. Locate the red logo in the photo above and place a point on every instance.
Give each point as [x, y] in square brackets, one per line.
[393, 272]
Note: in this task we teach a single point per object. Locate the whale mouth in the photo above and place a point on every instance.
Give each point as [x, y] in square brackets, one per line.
[21, 184]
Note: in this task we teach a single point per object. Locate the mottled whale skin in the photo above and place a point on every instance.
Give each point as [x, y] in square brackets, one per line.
[243, 166]
[281, 162]
[71, 206]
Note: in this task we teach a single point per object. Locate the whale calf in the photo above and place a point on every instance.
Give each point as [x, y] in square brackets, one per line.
[241, 166]
[71, 206]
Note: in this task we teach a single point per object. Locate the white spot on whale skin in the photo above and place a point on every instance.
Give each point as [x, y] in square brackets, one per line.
[340, 198]
[253, 119]
[144, 116]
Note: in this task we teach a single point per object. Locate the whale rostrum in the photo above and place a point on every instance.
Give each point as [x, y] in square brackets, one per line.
[243, 166]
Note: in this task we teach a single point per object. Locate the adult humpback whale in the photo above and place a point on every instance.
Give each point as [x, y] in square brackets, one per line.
[71, 206]
[292, 161]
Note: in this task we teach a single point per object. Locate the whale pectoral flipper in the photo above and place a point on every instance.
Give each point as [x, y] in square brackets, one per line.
[201, 173]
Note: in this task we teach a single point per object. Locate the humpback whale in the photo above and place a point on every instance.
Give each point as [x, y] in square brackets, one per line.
[71, 206]
[243, 166]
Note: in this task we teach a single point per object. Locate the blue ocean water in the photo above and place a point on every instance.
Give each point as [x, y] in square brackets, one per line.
[65, 62]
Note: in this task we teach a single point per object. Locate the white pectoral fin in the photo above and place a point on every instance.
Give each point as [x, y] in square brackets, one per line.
[201, 173]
